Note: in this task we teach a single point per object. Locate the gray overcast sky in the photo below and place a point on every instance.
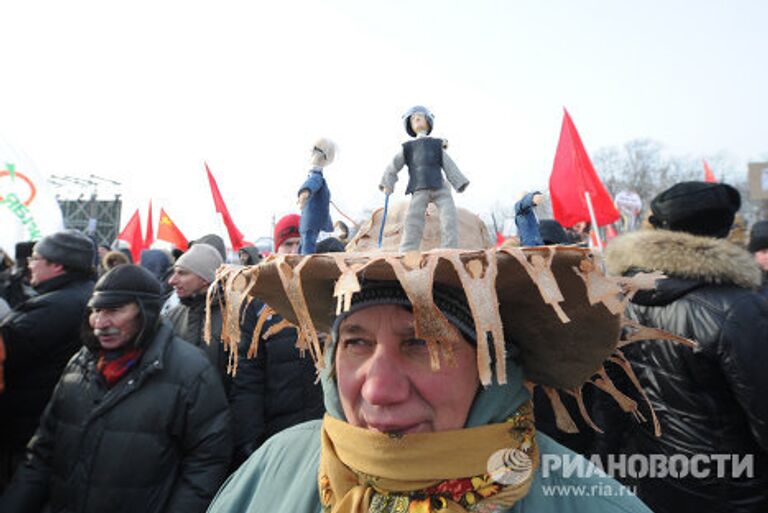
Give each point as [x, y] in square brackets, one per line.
[144, 92]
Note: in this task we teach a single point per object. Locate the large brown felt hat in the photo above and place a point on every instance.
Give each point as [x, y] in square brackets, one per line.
[552, 302]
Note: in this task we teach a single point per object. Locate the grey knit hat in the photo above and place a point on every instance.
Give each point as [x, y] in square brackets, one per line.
[213, 240]
[69, 248]
[201, 259]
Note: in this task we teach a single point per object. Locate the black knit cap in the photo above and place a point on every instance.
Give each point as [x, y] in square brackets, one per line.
[758, 236]
[698, 208]
[126, 284]
[450, 301]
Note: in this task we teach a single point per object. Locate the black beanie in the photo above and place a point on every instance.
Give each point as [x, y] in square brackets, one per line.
[698, 208]
[125, 284]
[450, 301]
[69, 248]
[758, 236]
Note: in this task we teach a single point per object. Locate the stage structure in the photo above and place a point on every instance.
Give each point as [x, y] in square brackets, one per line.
[96, 216]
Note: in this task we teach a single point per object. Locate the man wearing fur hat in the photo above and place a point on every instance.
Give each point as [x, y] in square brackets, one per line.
[41, 335]
[138, 421]
[193, 273]
[426, 159]
[315, 197]
[712, 399]
[423, 371]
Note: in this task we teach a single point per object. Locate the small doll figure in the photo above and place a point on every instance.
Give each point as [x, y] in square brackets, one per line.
[426, 160]
[526, 220]
[315, 197]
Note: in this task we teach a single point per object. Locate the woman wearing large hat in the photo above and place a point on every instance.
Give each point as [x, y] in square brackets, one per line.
[426, 359]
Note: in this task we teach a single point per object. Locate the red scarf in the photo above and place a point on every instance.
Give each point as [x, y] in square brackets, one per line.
[114, 367]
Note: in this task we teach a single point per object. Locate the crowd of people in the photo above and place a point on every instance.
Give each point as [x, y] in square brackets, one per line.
[368, 378]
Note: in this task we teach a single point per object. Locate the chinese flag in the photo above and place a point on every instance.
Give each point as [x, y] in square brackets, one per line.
[573, 176]
[150, 237]
[132, 235]
[235, 236]
[709, 176]
[169, 232]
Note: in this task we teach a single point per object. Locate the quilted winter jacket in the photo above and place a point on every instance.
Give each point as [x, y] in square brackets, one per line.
[709, 400]
[158, 441]
[188, 321]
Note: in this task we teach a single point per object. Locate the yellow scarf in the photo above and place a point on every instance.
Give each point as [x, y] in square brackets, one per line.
[363, 471]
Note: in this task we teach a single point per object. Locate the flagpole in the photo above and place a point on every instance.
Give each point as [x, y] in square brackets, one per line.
[594, 221]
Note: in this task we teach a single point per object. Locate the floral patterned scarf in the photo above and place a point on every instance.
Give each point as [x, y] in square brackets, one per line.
[483, 469]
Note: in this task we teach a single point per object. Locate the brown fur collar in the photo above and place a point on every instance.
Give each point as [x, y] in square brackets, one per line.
[682, 255]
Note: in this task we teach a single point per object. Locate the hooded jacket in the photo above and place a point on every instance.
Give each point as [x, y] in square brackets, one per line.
[157, 441]
[709, 400]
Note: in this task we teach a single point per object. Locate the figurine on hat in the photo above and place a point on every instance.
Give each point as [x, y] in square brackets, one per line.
[427, 160]
[315, 197]
[526, 220]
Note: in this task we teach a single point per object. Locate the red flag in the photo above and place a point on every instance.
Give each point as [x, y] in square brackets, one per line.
[235, 236]
[572, 176]
[499, 238]
[709, 176]
[169, 232]
[150, 237]
[132, 235]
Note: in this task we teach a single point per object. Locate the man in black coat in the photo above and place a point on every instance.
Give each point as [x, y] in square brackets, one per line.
[139, 420]
[40, 336]
[278, 387]
[710, 401]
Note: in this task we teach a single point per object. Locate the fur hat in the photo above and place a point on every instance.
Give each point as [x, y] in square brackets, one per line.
[69, 248]
[286, 228]
[201, 259]
[698, 208]
[758, 236]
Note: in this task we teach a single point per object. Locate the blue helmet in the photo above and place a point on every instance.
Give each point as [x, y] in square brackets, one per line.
[422, 110]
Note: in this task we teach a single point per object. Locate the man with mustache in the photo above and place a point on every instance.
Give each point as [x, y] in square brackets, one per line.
[139, 419]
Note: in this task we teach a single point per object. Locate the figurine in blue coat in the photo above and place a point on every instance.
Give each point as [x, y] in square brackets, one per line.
[315, 198]
[526, 220]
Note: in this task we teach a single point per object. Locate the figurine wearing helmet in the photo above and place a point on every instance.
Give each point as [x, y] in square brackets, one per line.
[427, 161]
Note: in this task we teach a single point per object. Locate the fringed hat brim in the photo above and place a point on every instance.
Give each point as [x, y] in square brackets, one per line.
[551, 302]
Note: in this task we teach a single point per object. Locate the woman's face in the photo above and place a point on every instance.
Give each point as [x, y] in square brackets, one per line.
[385, 380]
